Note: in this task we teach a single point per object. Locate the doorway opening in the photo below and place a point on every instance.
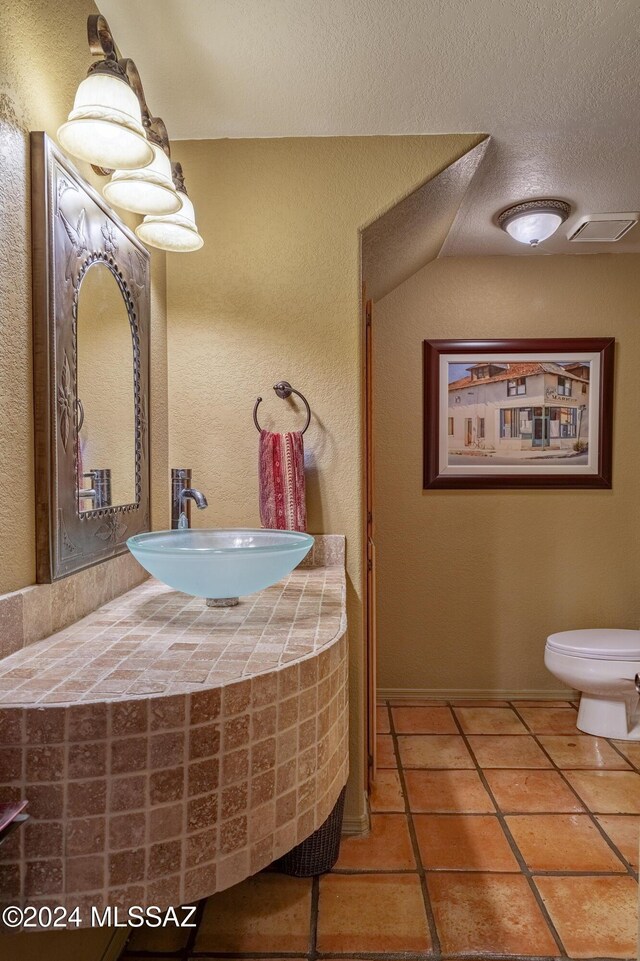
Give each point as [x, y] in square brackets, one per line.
[394, 247]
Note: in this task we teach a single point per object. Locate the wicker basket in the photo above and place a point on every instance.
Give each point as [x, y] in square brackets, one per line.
[319, 852]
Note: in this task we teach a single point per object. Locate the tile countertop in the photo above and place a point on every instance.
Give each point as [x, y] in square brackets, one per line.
[169, 750]
[153, 640]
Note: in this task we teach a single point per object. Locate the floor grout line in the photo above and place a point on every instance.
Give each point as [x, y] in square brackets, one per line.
[628, 867]
[379, 956]
[356, 956]
[610, 741]
[431, 921]
[188, 952]
[193, 934]
[511, 841]
[480, 814]
[138, 953]
[354, 872]
[313, 926]
[375, 955]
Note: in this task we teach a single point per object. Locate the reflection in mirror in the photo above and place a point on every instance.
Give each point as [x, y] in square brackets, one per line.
[105, 392]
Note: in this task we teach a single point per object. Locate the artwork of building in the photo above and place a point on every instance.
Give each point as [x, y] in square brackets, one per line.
[519, 406]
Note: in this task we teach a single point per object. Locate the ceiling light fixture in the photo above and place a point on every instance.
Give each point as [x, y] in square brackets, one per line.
[111, 128]
[533, 221]
[176, 232]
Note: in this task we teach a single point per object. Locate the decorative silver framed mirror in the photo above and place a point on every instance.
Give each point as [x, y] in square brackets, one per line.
[91, 370]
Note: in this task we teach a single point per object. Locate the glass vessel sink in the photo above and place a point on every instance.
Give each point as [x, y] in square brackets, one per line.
[220, 565]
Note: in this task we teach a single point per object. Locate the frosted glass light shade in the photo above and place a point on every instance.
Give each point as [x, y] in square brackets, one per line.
[533, 221]
[105, 126]
[533, 228]
[177, 232]
[145, 190]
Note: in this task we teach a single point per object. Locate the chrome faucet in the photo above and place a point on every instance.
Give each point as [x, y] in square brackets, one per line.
[190, 493]
[195, 495]
[181, 496]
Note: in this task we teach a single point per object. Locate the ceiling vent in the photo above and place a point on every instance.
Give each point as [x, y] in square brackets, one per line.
[603, 228]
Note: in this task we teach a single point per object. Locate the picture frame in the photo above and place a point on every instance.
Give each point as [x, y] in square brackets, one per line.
[523, 413]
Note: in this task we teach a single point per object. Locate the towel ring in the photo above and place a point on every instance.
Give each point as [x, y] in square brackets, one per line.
[283, 389]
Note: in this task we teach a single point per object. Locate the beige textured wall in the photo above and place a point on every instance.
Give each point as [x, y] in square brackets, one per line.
[274, 294]
[43, 57]
[471, 583]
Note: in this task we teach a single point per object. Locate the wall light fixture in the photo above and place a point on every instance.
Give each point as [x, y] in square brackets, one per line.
[177, 231]
[111, 128]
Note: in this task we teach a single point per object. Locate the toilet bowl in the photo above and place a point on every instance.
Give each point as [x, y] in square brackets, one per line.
[602, 664]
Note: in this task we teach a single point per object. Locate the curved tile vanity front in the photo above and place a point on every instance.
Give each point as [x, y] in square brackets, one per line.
[169, 750]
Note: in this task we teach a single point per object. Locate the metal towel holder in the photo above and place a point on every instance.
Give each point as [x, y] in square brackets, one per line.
[283, 389]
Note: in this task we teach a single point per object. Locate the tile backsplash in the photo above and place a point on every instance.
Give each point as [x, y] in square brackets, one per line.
[35, 612]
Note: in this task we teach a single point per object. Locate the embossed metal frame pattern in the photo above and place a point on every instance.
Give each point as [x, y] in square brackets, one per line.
[64, 247]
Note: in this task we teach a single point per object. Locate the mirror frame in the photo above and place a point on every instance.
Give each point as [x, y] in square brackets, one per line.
[63, 250]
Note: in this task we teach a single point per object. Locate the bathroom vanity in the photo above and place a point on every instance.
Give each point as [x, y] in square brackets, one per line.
[167, 749]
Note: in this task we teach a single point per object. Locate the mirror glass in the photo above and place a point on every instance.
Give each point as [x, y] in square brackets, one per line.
[106, 397]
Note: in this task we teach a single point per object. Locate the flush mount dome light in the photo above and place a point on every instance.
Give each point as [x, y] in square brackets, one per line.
[145, 190]
[533, 221]
[105, 126]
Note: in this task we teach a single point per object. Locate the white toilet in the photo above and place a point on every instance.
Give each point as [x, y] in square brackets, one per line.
[603, 664]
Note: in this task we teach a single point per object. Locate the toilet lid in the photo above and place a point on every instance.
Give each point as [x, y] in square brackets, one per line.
[605, 644]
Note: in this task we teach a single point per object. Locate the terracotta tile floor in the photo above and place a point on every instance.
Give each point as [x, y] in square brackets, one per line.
[498, 831]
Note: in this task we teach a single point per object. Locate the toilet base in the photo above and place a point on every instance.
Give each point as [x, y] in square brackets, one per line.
[614, 717]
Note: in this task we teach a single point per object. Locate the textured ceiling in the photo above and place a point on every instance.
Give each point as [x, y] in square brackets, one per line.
[553, 81]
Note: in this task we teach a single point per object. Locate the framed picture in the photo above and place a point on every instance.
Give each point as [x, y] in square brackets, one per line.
[518, 413]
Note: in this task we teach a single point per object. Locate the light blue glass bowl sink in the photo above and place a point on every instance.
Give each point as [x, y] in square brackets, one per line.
[220, 565]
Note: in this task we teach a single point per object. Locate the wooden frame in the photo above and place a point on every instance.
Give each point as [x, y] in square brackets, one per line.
[505, 459]
[368, 543]
[72, 229]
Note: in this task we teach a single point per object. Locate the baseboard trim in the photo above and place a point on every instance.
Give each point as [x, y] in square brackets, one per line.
[452, 694]
[355, 824]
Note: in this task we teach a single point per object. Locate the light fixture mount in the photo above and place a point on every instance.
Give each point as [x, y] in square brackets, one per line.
[533, 221]
[102, 44]
[111, 127]
[178, 177]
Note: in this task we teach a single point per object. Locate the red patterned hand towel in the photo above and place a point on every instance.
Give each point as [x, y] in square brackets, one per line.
[281, 480]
